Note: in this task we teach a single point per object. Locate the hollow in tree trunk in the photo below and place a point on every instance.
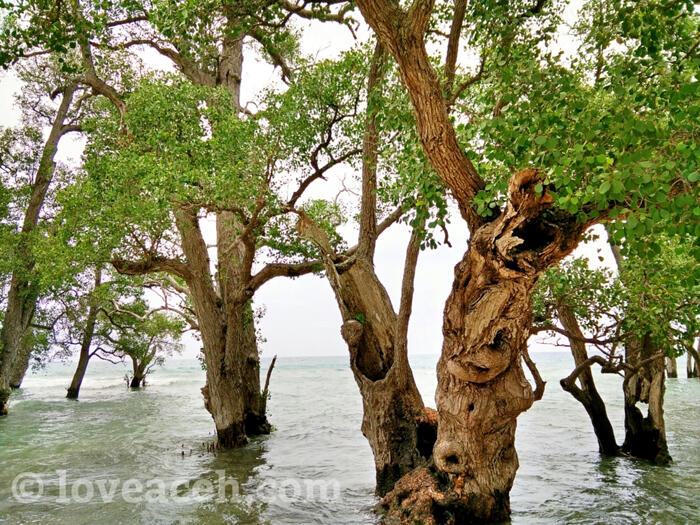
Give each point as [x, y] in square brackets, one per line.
[645, 436]
[394, 419]
[586, 392]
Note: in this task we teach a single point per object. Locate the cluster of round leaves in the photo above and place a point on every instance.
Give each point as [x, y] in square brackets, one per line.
[613, 124]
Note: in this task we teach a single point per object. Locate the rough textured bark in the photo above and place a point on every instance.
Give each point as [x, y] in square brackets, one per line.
[85, 344]
[481, 385]
[645, 436]
[225, 319]
[671, 367]
[586, 392]
[395, 422]
[22, 295]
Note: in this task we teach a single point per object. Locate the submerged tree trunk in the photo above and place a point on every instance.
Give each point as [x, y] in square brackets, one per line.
[671, 367]
[645, 436]
[79, 374]
[481, 384]
[227, 325]
[394, 418]
[139, 369]
[22, 296]
[394, 421]
[587, 393]
[85, 344]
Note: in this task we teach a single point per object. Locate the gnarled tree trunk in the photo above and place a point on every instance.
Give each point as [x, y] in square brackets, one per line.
[481, 384]
[22, 296]
[394, 419]
[645, 436]
[587, 393]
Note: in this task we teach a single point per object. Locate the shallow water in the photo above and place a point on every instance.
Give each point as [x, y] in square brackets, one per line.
[316, 467]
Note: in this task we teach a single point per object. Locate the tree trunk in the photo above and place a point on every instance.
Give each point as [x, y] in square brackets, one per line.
[232, 392]
[22, 296]
[394, 418]
[587, 393]
[139, 373]
[74, 389]
[645, 437]
[671, 367]
[85, 343]
[19, 369]
[481, 384]
[692, 366]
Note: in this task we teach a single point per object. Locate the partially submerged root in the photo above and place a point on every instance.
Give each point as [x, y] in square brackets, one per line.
[426, 496]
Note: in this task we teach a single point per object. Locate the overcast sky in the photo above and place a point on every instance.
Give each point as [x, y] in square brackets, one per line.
[301, 316]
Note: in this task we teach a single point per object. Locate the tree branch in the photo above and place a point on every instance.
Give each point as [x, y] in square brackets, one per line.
[273, 270]
[539, 382]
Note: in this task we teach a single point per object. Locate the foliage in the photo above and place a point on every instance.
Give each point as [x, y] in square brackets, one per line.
[608, 109]
[653, 295]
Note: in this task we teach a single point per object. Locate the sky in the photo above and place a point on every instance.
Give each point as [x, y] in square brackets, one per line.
[301, 317]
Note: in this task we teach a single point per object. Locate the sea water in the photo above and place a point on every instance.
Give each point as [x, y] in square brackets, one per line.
[140, 456]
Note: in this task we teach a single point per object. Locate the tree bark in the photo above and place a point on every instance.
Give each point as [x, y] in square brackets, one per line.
[226, 322]
[393, 420]
[645, 436]
[22, 295]
[85, 344]
[19, 369]
[692, 366]
[139, 368]
[586, 392]
[671, 367]
[481, 384]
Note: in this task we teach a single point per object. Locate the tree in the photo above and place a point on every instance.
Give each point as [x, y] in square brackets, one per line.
[400, 431]
[633, 319]
[105, 315]
[210, 54]
[553, 146]
[28, 162]
[581, 299]
[145, 336]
